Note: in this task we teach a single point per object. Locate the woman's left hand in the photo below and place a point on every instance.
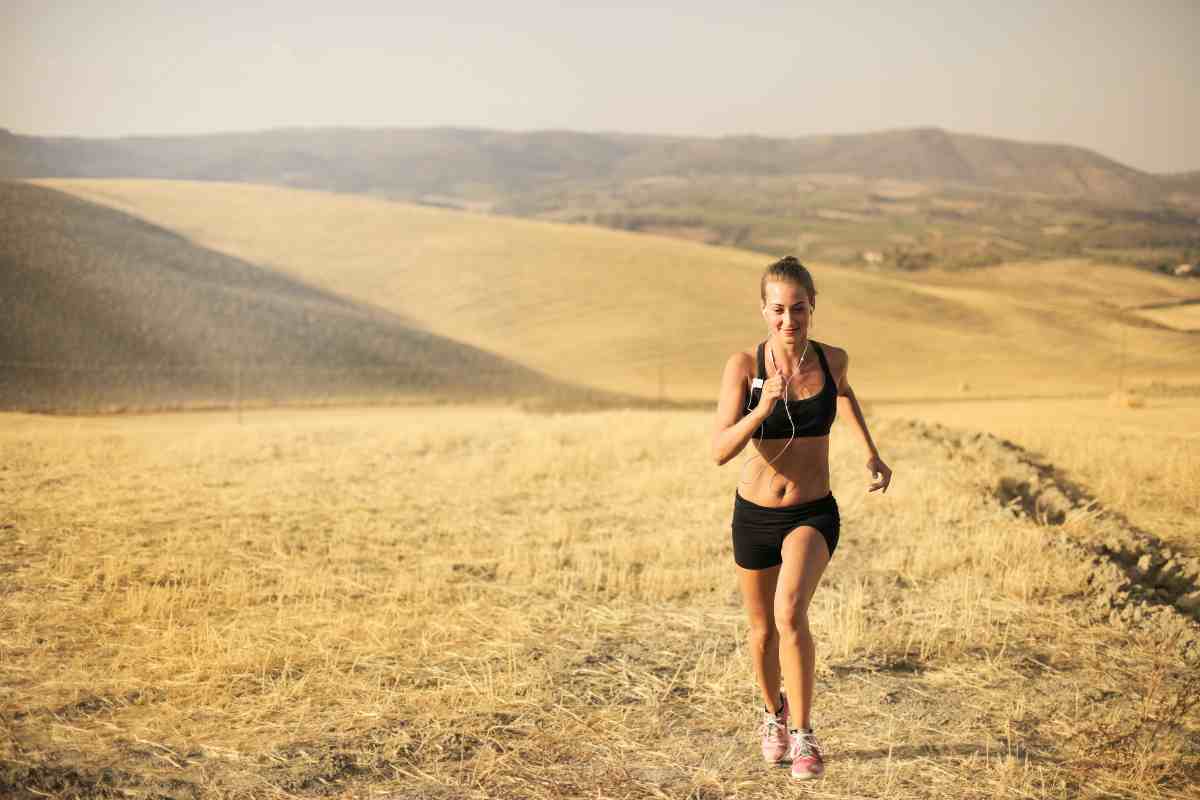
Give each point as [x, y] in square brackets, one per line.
[881, 472]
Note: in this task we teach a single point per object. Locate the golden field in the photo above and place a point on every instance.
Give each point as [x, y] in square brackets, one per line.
[475, 601]
[470, 602]
[1141, 459]
[655, 317]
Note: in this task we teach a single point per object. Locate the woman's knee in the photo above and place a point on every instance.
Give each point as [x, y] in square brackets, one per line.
[763, 633]
[792, 624]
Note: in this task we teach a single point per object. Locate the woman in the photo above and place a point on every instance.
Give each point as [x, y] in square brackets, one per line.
[784, 396]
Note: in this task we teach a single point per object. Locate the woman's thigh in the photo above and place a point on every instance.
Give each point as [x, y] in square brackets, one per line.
[805, 556]
[758, 594]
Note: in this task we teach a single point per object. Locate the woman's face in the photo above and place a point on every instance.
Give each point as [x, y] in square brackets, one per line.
[787, 310]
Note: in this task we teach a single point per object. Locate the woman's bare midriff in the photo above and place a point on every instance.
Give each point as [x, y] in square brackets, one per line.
[797, 476]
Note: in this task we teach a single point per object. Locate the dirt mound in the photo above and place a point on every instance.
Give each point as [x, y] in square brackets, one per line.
[1137, 579]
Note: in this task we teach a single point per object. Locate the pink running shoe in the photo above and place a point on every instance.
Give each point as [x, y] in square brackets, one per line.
[774, 732]
[805, 754]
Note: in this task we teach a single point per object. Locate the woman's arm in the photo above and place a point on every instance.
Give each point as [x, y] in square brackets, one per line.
[731, 430]
[848, 402]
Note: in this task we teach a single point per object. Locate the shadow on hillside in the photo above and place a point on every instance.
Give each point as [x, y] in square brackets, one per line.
[107, 313]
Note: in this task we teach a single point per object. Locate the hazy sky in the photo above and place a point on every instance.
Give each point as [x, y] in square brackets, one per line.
[1120, 78]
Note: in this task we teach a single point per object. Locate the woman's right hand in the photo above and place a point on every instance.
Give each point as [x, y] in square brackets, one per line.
[772, 390]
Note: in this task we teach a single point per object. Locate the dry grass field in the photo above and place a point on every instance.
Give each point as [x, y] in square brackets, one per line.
[1143, 459]
[1181, 316]
[478, 601]
[445, 602]
[654, 316]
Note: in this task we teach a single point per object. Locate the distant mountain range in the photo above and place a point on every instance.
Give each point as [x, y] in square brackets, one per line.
[905, 198]
[462, 162]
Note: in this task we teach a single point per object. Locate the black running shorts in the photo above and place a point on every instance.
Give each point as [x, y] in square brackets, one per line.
[759, 531]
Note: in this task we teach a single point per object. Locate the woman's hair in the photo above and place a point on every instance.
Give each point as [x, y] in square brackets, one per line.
[789, 269]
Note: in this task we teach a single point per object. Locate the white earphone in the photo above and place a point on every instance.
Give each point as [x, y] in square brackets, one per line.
[757, 383]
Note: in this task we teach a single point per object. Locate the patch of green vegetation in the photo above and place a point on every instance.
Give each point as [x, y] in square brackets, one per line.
[854, 222]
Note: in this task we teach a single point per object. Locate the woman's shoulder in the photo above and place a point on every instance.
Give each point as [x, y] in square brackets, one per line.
[743, 361]
[835, 355]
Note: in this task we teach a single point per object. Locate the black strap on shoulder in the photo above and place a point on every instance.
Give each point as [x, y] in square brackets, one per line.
[762, 367]
[825, 366]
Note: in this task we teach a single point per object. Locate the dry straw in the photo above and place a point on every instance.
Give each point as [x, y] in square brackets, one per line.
[432, 603]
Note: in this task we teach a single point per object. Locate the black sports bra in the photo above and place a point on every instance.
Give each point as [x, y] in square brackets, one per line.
[813, 416]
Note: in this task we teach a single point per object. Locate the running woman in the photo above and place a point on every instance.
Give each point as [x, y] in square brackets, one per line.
[783, 395]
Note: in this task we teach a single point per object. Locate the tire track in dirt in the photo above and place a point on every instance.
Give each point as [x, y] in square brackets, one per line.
[1136, 577]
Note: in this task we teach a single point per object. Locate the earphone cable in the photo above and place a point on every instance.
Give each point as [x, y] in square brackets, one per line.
[762, 428]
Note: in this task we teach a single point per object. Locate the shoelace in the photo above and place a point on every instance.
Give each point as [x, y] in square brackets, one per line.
[805, 744]
[771, 724]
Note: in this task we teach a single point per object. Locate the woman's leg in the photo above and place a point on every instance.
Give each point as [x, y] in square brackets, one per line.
[805, 556]
[758, 594]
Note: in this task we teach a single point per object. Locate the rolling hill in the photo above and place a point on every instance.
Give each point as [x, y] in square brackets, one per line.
[655, 316]
[1184, 190]
[104, 311]
[912, 198]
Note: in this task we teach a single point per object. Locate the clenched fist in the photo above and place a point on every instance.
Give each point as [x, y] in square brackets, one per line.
[772, 390]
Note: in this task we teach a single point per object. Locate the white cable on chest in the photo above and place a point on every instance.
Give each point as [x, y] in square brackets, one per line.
[757, 383]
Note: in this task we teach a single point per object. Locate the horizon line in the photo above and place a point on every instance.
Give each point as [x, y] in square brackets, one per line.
[578, 132]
